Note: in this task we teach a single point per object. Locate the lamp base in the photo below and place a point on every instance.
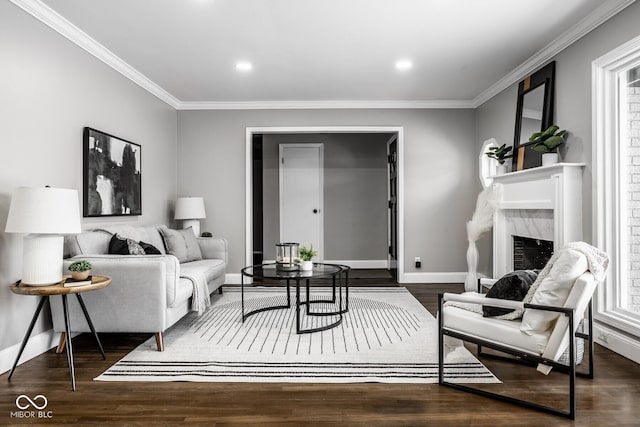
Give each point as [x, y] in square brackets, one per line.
[194, 224]
[42, 259]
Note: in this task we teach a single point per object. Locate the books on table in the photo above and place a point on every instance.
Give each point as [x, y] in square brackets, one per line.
[70, 282]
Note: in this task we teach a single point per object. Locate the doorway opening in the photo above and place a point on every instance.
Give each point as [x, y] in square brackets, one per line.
[351, 201]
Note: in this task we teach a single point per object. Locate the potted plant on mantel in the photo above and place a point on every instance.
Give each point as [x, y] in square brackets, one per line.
[80, 269]
[547, 143]
[501, 154]
[305, 258]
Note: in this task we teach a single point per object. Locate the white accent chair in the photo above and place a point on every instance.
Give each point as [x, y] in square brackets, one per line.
[516, 338]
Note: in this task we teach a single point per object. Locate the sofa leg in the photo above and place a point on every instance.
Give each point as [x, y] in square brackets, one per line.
[220, 290]
[159, 341]
[62, 342]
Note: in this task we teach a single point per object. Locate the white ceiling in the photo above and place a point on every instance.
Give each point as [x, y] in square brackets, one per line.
[325, 50]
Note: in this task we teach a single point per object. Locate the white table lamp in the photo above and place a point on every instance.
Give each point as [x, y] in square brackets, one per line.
[45, 213]
[190, 210]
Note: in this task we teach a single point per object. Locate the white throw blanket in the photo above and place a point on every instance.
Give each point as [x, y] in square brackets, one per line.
[200, 299]
[597, 262]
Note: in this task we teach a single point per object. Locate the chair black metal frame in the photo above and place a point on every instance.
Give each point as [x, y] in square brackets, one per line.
[523, 357]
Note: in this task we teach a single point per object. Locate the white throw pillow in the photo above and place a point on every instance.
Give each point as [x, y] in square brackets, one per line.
[553, 291]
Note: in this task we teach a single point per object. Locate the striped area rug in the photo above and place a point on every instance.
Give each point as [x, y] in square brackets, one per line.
[387, 336]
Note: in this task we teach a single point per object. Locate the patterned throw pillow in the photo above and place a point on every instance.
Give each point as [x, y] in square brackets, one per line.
[123, 246]
[512, 286]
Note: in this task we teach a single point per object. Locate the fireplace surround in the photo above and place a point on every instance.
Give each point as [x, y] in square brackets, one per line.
[542, 204]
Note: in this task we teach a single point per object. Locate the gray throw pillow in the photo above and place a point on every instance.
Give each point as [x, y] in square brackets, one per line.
[174, 243]
[193, 248]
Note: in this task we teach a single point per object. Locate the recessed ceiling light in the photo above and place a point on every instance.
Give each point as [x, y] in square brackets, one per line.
[404, 65]
[244, 66]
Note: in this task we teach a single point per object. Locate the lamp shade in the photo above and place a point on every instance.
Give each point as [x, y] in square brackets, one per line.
[190, 208]
[44, 210]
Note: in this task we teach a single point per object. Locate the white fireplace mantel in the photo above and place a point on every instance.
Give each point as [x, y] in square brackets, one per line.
[553, 191]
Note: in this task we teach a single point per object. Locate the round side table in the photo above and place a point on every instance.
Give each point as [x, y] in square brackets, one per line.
[44, 292]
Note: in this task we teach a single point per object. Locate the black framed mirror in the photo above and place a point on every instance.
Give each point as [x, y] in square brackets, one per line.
[534, 113]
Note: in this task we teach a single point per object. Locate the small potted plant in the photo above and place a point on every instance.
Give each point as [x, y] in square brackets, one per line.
[547, 143]
[501, 154]
[80, 269]
[305, 257]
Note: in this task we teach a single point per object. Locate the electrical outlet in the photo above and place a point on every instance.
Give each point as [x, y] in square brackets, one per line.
[418, 262]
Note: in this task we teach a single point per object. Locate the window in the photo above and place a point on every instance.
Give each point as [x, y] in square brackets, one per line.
[616, 160]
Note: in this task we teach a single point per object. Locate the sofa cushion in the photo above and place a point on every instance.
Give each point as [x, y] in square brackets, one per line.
[174, 243]
[90, 242]
[211, 268]
[151, 235]
[193, 248]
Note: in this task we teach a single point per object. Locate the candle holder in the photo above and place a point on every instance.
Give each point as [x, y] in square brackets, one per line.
[287, 257]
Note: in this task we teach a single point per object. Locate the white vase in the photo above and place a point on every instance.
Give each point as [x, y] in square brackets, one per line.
[549, 159]
[501, 169]
[306, 265]
[470, 283]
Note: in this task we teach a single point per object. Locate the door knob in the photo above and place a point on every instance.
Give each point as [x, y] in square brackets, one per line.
[315, 211]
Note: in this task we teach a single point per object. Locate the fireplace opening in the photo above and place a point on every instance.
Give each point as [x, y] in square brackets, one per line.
[531, 254]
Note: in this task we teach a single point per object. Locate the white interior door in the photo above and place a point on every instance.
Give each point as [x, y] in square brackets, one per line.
[301, 195]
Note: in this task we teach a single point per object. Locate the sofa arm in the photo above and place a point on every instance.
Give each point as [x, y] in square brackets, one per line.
[214, 248]
[136, 300]
[115, 265]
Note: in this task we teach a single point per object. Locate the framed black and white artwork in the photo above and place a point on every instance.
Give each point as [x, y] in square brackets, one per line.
[112, 175]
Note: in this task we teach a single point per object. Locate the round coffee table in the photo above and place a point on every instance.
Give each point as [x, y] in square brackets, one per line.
[335, 272]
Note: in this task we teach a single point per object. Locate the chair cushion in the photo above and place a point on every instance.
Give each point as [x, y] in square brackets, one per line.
[505, 332]
[553, 291]
[512, 286]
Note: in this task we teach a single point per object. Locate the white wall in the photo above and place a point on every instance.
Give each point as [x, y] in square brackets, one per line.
[50, 90]
[355, 194]
[440, 173]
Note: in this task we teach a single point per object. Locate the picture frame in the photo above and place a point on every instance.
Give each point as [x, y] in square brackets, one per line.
[112, 175]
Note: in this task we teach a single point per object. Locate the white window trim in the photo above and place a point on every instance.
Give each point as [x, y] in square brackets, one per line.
[607, 185]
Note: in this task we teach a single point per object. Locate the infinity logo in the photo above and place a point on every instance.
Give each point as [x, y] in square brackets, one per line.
[21, 405]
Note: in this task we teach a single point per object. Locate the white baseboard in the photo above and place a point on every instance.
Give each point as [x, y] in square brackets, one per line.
[361, 263]
[453, 277]
[37, 345]
[617, 342]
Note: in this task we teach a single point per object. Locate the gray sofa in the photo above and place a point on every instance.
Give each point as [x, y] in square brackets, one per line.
[148, 293]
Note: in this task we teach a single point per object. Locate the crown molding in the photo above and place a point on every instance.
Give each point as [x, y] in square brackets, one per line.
[51, 18]
[596, 18]
[319, 105]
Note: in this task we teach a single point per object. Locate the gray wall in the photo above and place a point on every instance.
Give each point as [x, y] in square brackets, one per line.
[50, 90]
[355, 194]
[440, 173]
[496, 118]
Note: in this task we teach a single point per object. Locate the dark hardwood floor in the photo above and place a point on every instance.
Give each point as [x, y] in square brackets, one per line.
[611, 399]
